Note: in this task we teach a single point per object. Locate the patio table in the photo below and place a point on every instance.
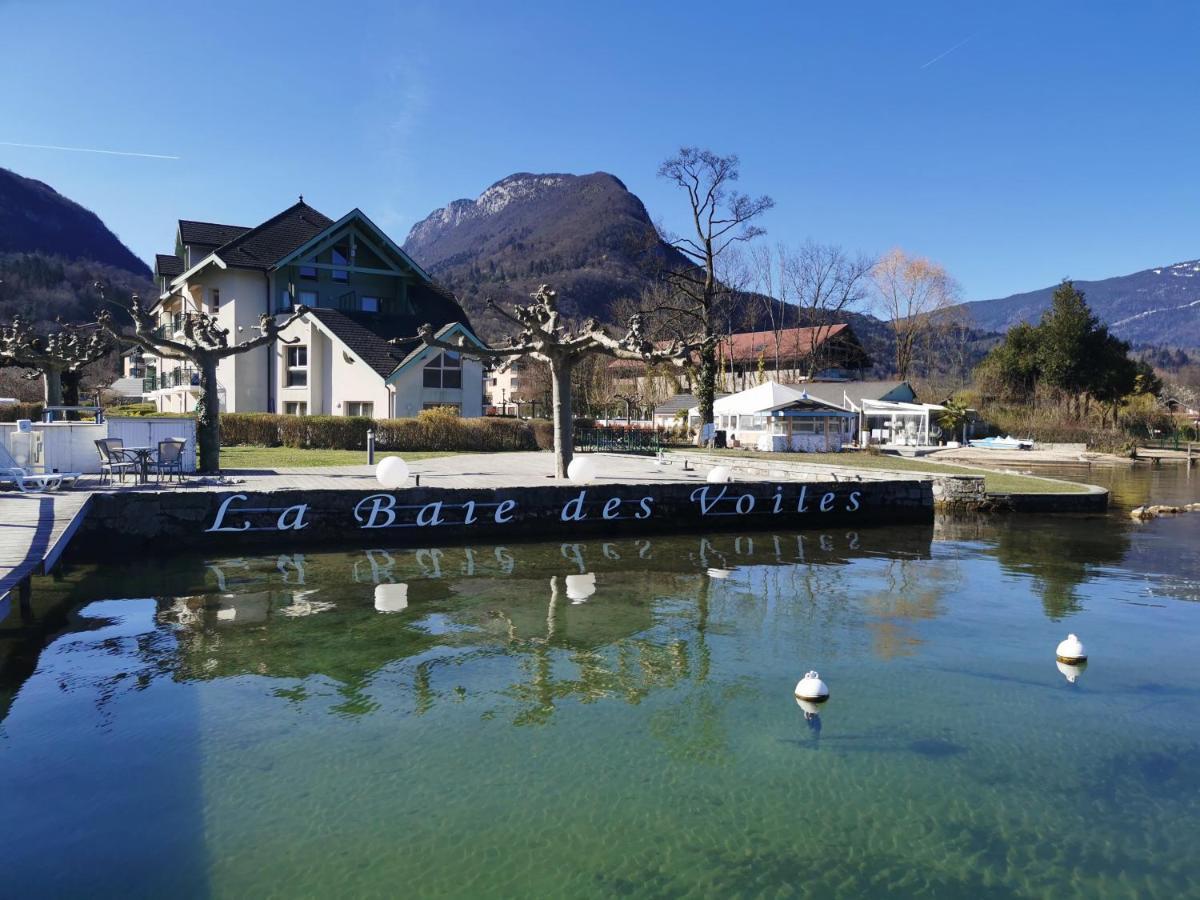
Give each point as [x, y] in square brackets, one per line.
[141, 455]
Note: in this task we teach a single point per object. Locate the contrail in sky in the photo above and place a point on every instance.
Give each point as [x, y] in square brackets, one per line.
[946, 53]
[87, 150]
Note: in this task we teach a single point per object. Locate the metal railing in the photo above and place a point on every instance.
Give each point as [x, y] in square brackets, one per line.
[171, 379]
[621, 440]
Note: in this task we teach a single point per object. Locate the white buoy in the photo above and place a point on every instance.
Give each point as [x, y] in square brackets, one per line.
[1071, 671]
[581, 469]
[1071, 651]
[391, 598]
[719, 474]
[812, 688]
[580, 587]
[808, 706]
[392, 472]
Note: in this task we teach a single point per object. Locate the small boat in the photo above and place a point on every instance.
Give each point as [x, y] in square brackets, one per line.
[1002, 443]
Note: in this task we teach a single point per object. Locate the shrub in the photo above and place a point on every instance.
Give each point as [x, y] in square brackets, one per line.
[543, 433]
[142, 411]
[433, 429]
[11, 412]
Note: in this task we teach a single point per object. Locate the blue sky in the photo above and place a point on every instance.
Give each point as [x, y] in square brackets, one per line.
[1053, 139]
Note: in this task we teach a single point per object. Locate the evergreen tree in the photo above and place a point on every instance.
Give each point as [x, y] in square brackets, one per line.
[1065, 336]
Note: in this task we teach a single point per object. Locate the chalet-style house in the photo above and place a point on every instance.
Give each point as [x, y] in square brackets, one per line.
[356, 351]
[788, 356]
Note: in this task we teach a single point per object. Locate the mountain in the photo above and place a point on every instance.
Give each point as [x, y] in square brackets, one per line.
[586, 235]
[35, 218]
[1155, 306]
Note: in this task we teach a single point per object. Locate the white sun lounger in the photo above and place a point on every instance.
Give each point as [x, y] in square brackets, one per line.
[28, 481]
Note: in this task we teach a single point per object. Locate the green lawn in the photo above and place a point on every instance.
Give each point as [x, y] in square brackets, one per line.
[994, 482]
[292, 457]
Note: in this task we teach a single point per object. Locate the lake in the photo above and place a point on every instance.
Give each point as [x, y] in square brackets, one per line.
[617, 718]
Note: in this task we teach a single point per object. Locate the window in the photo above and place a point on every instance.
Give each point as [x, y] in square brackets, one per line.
[514, 383]
[308, 298]
[359, 408]
[444, 371]
[297, 366]
[308, 273]
[214, 299]
[370, 304]
[339, 259]
[295, 408]
[285, 300]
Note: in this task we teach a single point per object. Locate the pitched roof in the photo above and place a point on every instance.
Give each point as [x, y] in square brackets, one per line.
[769, 396]
[260, 247]
[369, 346]
[127, 387]
[858, 391]
[210, 234]
[680, 401]
[168, 264]
[794, 343]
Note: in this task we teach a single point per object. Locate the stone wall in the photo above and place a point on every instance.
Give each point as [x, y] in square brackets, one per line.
[229, 520]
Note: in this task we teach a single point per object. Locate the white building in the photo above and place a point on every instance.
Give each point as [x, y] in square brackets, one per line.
[355, 352]
[775, 417]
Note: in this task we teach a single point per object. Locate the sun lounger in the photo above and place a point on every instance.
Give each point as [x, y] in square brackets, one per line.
[28, 481]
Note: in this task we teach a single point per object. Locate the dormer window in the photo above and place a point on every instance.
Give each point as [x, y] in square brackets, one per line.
[370, 304]
[340, 258]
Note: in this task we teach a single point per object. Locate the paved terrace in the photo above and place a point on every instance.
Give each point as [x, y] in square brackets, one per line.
[484, 470]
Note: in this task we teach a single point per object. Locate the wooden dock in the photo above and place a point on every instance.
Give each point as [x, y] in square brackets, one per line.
[34, 531]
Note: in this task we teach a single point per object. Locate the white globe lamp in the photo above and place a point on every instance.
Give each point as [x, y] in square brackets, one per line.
[719, 475]
[582, 469]
[391, 472]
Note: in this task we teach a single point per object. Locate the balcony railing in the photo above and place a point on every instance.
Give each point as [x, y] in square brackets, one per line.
[172, 379]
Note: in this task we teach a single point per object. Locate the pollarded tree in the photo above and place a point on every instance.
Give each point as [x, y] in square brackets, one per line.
[57, 357]
[545, 338]
[204, 344]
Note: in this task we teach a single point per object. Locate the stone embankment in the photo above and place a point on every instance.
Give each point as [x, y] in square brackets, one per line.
[952, 492]
[1146, 513]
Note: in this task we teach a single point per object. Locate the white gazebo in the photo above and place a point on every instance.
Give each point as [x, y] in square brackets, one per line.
[899, 424]
[774, 417]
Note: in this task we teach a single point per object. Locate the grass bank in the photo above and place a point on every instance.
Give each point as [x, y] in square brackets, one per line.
[994, 482]
[251, 457]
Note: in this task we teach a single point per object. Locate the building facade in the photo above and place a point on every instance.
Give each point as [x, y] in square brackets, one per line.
[354, 353]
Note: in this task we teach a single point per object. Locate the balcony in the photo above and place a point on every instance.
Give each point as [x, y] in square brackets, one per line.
[173, 379]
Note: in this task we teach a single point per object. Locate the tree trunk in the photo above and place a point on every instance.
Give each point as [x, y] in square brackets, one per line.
[208, 419]
[70, 388]
[707, 390]
[564, 432]
[52, 382]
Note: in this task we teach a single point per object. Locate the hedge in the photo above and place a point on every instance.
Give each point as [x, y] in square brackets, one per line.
[11, 412]
[432, 430]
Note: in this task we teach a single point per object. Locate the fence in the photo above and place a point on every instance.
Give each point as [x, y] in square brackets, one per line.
[144, 431]
[621, 440]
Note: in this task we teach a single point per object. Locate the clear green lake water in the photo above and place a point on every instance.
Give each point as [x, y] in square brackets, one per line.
[617, 719]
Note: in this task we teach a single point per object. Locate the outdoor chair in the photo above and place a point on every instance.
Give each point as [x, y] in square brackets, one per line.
[113, 459]
[28, 481]
[169, 460]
